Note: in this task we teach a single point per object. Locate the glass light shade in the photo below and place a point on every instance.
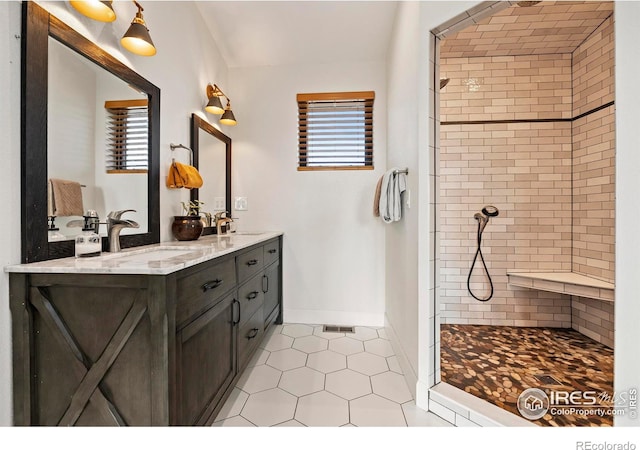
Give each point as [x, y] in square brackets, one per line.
[95, 9]
[214, 106]
[228, 118]
[137, 39]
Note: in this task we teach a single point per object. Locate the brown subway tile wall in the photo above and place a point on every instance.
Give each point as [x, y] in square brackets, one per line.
[506, 88]
[593, 70]
[524, 169]
[593, 318]
[594, 195]
[552, 181]
[594, 156]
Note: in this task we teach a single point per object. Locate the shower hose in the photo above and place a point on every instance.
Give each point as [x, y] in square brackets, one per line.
[484, 265]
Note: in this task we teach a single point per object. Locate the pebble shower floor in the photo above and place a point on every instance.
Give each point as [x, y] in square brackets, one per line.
[497, 363]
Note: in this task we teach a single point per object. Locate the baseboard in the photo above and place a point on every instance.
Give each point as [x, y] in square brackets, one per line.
[314, 316]
[409, 374]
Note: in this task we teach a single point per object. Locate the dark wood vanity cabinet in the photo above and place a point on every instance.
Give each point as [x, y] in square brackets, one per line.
[111, 349]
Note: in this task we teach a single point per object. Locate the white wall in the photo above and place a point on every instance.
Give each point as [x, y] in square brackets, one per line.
[627, 307]
[333, 246]
[402, 252]
[9, 185]
[410, 286]
[186, 61]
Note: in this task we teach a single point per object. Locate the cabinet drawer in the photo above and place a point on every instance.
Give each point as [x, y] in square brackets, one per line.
[199, 289]
[251, 297]
[271, 252]
[249, 337]
[250, 263]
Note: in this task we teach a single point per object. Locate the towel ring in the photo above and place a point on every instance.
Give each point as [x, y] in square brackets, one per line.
[174, 146]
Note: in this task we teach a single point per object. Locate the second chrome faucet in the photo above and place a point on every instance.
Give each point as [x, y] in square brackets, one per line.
[115, 224]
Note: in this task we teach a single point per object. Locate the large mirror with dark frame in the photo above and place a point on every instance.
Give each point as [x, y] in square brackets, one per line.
[212, 157]
[70, 90]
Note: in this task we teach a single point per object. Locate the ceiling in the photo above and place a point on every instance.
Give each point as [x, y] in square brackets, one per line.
[271, 33]
[546, 27]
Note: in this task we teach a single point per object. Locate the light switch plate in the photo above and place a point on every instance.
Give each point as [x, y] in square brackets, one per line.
[241, 204]
[218, 204]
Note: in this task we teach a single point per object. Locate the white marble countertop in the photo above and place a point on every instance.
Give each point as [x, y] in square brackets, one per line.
[156, 259]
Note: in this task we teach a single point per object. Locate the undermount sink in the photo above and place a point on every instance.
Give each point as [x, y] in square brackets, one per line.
[145, 256]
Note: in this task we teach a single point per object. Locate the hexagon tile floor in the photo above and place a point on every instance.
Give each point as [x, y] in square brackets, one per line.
[302, 376]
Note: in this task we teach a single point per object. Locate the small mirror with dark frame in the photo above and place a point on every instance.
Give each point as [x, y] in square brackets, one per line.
[212, 157]
[39, 27]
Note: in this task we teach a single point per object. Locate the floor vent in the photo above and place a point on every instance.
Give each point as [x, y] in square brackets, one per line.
[338, 329]
[548, 380]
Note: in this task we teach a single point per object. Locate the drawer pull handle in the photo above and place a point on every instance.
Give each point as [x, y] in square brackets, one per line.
[252, 262]
[254, 333]
[236, 322]
[272, 251]
[252, 295]
[211, 285]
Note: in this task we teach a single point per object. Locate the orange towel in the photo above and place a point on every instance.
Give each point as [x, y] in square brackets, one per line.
[183, 176]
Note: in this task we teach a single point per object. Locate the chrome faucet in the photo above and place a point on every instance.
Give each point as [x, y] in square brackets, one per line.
[115, 224]
[220, 221]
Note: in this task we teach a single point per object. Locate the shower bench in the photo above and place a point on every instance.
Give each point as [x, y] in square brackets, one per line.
[569, 283]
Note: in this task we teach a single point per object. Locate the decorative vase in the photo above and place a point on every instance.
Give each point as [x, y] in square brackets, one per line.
[187, 228]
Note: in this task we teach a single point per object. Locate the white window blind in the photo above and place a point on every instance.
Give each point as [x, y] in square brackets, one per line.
[335, 130]
[127, 136]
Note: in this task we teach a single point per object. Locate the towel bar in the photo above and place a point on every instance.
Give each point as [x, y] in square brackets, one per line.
[174, 146]
[401, 171]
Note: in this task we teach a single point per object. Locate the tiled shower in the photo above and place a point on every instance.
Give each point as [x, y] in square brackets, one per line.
[534, 136]
[527, 125]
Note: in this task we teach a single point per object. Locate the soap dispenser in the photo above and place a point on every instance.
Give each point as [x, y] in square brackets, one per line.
[88, 243]
[53, 231]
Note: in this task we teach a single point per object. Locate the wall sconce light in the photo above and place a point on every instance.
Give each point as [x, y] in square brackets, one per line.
[214, 105]
[95, 9]
[137, 39]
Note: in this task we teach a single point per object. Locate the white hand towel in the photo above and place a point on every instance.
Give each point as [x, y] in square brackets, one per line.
[399, 186]
[393, 185]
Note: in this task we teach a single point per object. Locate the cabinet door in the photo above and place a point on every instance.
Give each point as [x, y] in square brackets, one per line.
[271, 289]
[206, 360]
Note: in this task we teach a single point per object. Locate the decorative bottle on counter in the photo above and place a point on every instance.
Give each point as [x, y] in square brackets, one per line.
[88, 243]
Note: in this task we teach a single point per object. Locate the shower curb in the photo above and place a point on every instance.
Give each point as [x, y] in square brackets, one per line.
[463, 409]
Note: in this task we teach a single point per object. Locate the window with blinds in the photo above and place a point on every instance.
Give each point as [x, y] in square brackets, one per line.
[127, 136]
[335, 130]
